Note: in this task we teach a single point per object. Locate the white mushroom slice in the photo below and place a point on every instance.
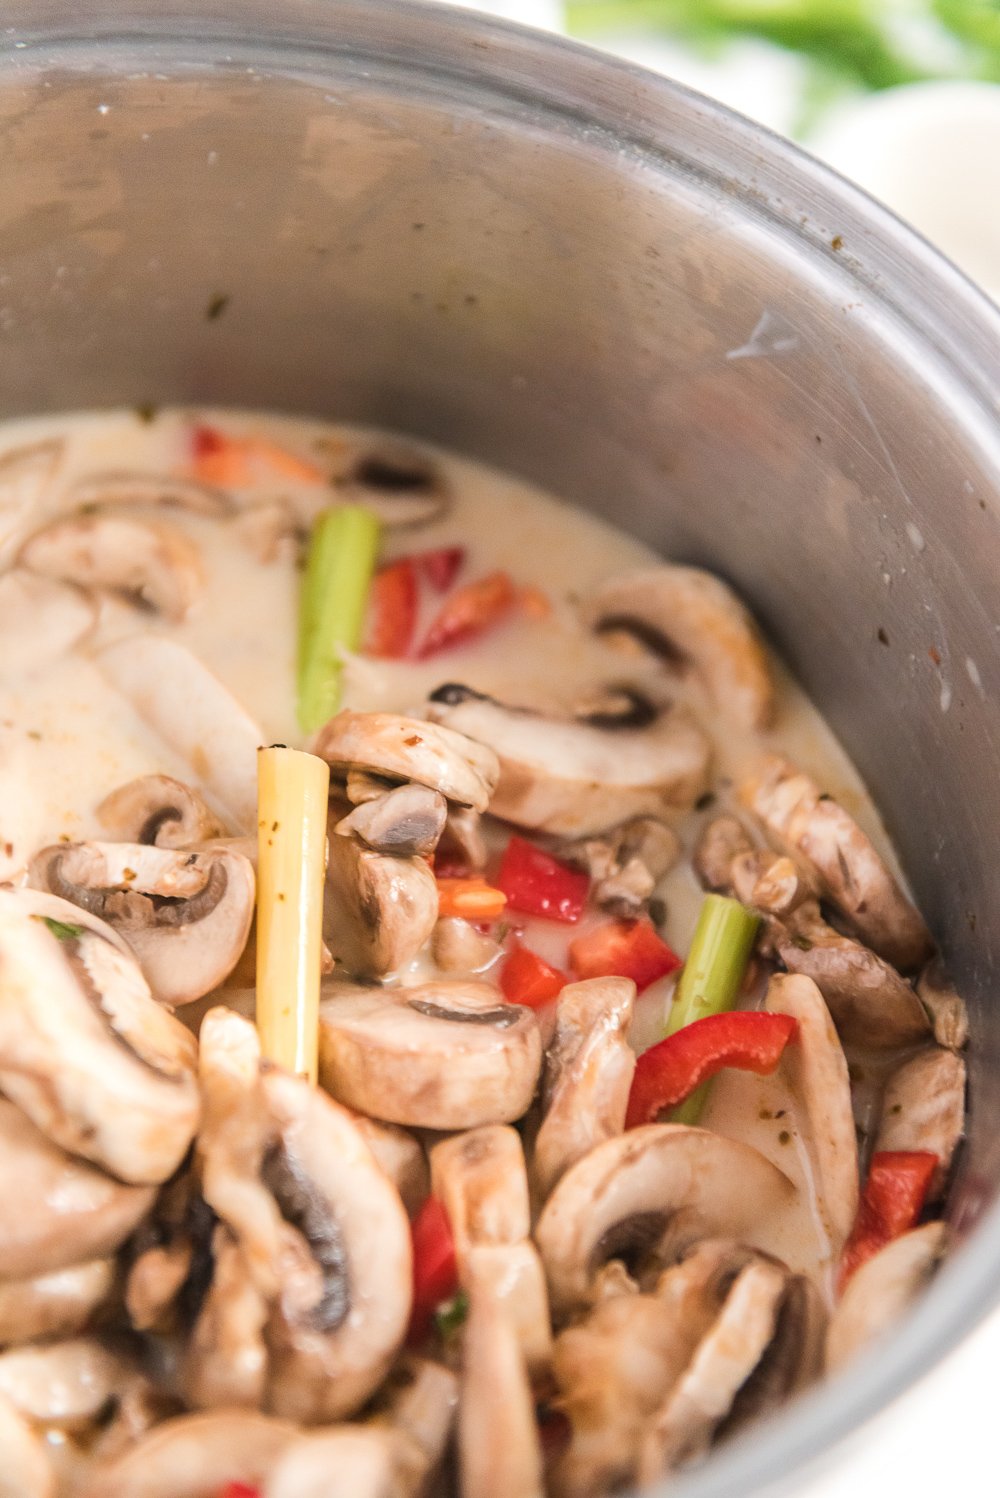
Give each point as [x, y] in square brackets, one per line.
[421, 1412]
[194, 714]
[86, 1051]
[397, 748]
[442, 1055]
[402, 1158]
[720, 843]
[154, 565]
[58, 1304]
[160, 810]
[225, 1359]
[25, 1469]
[194, 1456]
[588, 1074]
[946, 1010]
[661, 1186]
[879, 1293]
[804, 821]
[185, 915]
[349, 1462]
[119, 487]
[64, 1383]
[499, 1454]
[464, 831]
[25, 475]
[690, 617]
[400, 483]
[481, 1181]
[574, 777]
[626, 863]
[40, 620]
[924, 1109]
[71, 1212]
[815, 1066]
[457, 947]
[379, 911]
[405, 821]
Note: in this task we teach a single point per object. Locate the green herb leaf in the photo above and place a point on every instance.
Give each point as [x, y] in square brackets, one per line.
[62, 929]
[450, 1315]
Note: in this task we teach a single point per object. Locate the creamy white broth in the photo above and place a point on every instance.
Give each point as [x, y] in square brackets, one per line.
[68, 738]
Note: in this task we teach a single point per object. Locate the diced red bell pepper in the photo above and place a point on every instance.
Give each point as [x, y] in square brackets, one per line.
[470, 611]
[528, 979]
[441, 565]
[234, 462]
[392, 611]
[623, 949]
[435, 1272]
[239, 1490]
[538, 884]
[891, 1204]
[669, 1072]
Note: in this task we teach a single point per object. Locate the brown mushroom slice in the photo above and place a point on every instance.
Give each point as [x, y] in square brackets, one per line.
[807, 823]
[499, 1453]
[690, 617]
[924, 1109]
[185, 915]
[121, 487]
[400, 483]
[457, 947]
[25, 1468]
[882, 1290]
[60, 1303]
[817, 1071]
[588, 1074]
[402, 1158]
[661, 1186]
[626, 863]
[720, 842]
[409, 749]
[574, 777]
[66, 1384]
[160, 810]
[195, 1456]
[194, 714]
[153, 565]
[83, 1045]
[481, 1180]
[60, 616]
[406, 821]
[443, 1055]
[945, 1008]
[379, 910]
[72, 1212]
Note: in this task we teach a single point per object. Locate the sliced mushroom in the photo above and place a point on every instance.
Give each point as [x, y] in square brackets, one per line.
[442, 1055]
[924, 1109]
[811, 825]
[588, 1074]
[408, 820]
[821, 1087]
[194, 714]
[160, 810]
[946, 1010]
[58, 1304]
[26, 472]
[70, 1213]
[498, 1448]
[67, 1384]
[402, 484]
[404, 749]
[464, 833]
[457, 947]
[120, 487]
[83, 1045]
[402, 1158]
[185, 915]
[225, 1359]
[691, 618]
[195, 1456]
[379, 910]
[880, 1291]
[626, 863]
[25, 1469]
[575, 777]
[481, 1181]
[649, 1194]
[153, 565]
[346, 1462]
[418, 1405]
[60, 616]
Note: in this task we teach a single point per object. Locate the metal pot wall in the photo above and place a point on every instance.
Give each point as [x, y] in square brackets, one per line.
[554, 261]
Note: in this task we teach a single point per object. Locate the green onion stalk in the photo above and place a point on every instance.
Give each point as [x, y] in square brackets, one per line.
[339, 567]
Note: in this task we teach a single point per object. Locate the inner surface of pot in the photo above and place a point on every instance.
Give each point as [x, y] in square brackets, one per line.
[552, 262]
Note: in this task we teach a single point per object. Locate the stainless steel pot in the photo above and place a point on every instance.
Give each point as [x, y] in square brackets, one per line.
[554, 261]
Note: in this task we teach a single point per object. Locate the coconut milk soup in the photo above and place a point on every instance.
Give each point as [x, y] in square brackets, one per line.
[634, 1086]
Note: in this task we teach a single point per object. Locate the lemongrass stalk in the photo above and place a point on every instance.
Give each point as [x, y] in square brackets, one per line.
[292, 793]
[339, 567]
[712, 976]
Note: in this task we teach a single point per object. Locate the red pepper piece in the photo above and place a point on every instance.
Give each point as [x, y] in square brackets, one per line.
[528, 979]
[392, 611]
[669, 1072]
[234, 462]
[435, 1273]
[441, 566]
[891, 1204]
[471, 610]
[623, 949]
[538, 884]
[239, 1490]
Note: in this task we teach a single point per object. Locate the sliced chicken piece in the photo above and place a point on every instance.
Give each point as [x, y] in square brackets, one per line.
[924, 1109]
[879, 1293]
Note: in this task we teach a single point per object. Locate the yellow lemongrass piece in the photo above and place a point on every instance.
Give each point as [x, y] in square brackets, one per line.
[292, 793]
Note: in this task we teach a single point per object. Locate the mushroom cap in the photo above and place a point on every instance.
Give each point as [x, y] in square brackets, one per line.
[25, 1469]
[122, 487]
[60, 615]
[572, 777]
[405, 821]
[379, 910]
[401, 748]
[57, 1304]
[400, 482]
[154, 564]
[194, 1456]
[690, 616]
[160, 810]
[678, 1183]
[449, 1054]
[880, 1291]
